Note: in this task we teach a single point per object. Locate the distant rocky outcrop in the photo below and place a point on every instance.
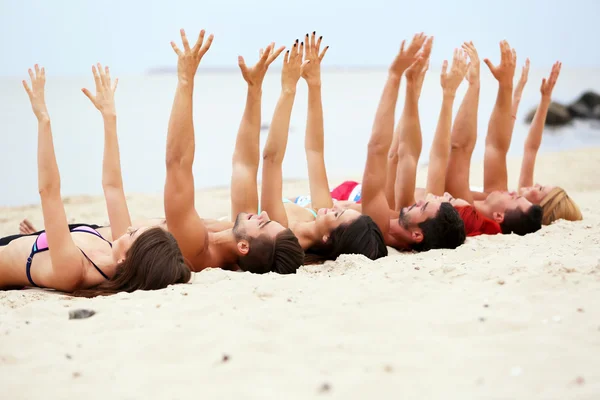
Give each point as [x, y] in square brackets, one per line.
[587, 106]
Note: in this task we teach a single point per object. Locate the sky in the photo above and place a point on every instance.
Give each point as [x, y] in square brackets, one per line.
[68, 36]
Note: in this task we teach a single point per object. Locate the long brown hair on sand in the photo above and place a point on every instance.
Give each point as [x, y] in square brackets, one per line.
[154, 261]
[558, 205]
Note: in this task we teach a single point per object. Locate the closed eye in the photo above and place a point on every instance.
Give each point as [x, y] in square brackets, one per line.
[264, 224]
[133, 232]
[424, 207]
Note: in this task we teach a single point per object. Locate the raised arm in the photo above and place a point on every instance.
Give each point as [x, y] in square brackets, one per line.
[534, 138]
[410, 141]
[246, 155]
[314, 139]
[274, 152]
[497, 142]
[67, 261]
[112, 181]
[374, 202]
[464, 132]
[516, 100]
[391, 183]
[440, 148]
[182, 218]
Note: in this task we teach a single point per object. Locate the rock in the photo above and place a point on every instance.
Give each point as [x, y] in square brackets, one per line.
[558, 115]
[585, 106]
[81, 314]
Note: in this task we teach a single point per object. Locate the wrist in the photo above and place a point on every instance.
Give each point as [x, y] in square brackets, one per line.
[109, 115]
[546, 99]
[316, 84]
[43, 118]
[185, 85]
[449, 94]
[254, 91]
[395, 75]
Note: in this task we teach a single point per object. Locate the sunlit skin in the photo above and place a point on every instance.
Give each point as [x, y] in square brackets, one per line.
[255, 225]
[329, 219]
[535, 194]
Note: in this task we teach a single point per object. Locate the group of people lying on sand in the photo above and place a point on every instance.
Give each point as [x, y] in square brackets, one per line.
[276, 234]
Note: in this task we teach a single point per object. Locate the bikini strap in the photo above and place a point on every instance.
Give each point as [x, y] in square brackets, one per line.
[95, 266]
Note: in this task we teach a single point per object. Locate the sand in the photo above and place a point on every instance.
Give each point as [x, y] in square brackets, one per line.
[501, 317]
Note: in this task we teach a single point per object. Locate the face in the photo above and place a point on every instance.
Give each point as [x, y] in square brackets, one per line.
[535, 194]
[421, 211]
[500, 202]
[121, 246]
[329, 219]
[447, 197]
[254, 225]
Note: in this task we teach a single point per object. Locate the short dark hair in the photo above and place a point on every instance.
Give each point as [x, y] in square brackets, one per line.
[444, 231]
[361, 236]
[283, 254]
[522, 222]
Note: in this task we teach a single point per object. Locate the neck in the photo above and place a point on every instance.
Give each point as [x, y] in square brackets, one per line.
[307, 234]
[482, 208]
[401, 236]
[106, 263]
[222, 249]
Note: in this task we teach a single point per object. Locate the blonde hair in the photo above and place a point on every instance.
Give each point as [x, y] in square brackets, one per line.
[558, 205]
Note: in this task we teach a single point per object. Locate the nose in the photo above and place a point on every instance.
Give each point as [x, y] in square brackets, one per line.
[264, 216]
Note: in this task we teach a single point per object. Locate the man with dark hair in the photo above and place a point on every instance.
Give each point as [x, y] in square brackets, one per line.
[514, 213]
[255, 243]
[423, 225]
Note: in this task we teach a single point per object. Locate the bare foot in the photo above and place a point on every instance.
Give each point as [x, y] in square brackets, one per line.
[26, 228]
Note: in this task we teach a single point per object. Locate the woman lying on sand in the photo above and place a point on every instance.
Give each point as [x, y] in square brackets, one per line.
[79, 259]
[328, 232]
[555, 202]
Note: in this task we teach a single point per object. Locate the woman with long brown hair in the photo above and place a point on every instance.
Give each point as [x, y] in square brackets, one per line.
[79, 258]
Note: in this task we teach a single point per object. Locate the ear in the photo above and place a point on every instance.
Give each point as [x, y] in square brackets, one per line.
[417, 236]
[243, 247]
[498, 217]
[325, 238]
[121, 260]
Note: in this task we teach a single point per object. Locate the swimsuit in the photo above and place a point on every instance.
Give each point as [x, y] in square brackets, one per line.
[41, 245]
[347, 191]
[301, 203]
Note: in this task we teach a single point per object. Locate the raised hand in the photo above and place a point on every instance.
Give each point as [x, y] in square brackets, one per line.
[36, 92]
[523, 80]
[293, 67]
[407, 57]
[505, 71]
[473, 67]
[312, 52]
[255, 75]
[548, 85]
[415, 74]
[104, 100]
[451, 80]
[189, 59]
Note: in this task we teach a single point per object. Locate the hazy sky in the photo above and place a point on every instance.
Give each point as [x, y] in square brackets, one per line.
[133, 36]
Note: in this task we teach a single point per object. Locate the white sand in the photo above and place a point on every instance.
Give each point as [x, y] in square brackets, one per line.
[501, 317]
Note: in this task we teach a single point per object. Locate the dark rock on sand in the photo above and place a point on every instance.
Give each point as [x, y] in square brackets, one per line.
[587, 106]
[558, 115]
[81, 314]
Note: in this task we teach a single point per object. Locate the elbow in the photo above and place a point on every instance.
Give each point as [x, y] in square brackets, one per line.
[272, 157]
[377, 148]
[49, 190]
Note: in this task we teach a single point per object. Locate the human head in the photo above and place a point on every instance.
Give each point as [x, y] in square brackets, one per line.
[147, 259]
[432, 224]
[265, 245]
[558, 205]
[476, 223]
[536, 193]
[342, 230]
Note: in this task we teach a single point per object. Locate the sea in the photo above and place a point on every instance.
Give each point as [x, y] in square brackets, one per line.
[350, 98]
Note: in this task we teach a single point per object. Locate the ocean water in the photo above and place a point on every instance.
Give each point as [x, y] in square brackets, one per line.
[144, 103]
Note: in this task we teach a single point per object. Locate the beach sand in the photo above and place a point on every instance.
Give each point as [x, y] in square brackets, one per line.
[501, 317]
